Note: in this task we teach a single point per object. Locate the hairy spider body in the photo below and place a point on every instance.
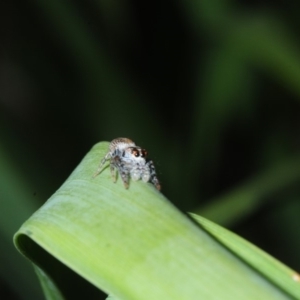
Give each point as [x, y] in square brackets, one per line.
[130, 161]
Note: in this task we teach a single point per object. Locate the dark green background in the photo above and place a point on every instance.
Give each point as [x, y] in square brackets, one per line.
[210, 88]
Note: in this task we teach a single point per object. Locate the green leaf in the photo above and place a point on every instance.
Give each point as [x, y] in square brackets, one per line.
[282, 276]
[112, 298]
[50, 290]
[133, 244]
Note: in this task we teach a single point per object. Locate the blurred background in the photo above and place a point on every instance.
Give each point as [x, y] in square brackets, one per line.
[210, 88]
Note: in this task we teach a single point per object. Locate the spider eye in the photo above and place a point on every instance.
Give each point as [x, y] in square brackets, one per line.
[135, 152]
[144, 153]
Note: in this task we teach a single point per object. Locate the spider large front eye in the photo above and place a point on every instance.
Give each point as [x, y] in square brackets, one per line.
[135, 152]
[144, 153]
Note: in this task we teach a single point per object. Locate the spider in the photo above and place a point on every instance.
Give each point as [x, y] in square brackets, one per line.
[130, 161]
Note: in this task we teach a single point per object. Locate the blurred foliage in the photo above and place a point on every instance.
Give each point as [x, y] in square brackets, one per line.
[210, 88]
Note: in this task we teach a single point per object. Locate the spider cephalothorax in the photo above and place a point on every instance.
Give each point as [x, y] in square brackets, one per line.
[130, 161]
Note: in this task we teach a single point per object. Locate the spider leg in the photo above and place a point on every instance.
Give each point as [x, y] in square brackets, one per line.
[155, 181]
[113, 172]
[153, 177]
[125, 178]
[103, 161]
[135, 173]
[146, 175]
[116, 163]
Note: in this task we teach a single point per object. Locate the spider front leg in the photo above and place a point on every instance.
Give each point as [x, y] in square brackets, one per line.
[103, 161]
[116, 163]
[113, 173]
[125, 178]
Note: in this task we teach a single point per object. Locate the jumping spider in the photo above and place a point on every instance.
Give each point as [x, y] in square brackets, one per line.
[130, 161]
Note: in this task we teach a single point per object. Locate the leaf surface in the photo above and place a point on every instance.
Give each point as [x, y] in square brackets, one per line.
[133, 244]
